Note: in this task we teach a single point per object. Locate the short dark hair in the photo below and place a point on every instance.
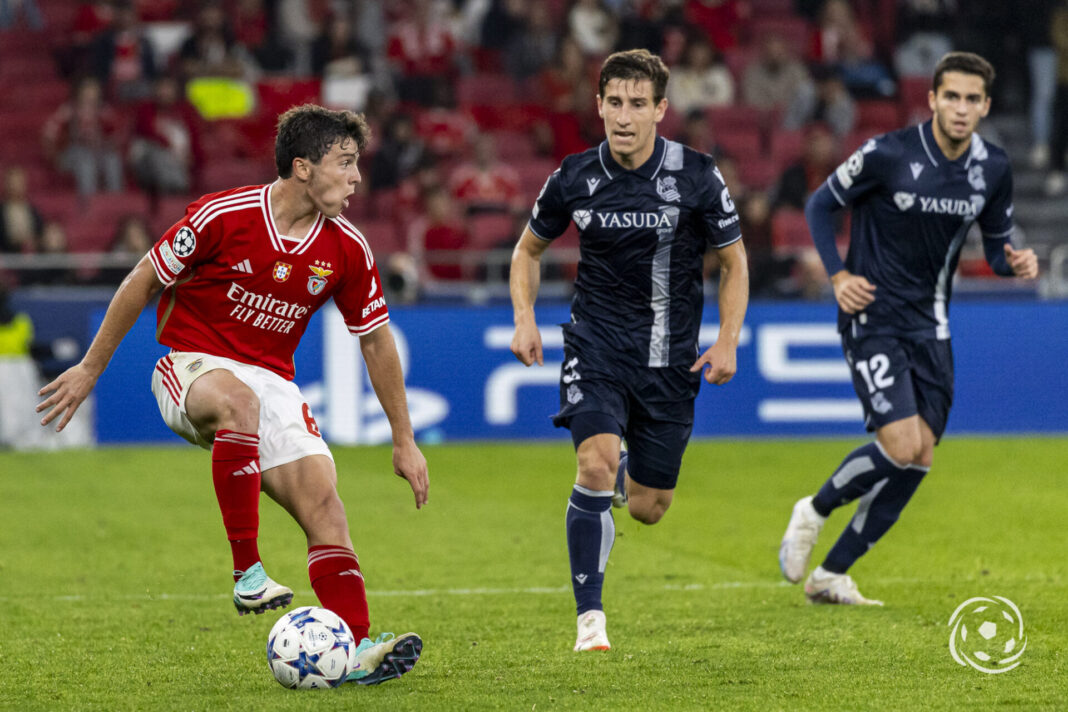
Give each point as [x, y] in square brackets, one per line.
[966, 62]
[309, 131]
[636, 64]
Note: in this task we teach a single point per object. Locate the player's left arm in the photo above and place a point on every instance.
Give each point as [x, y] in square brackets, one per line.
[997, 227]
[384, 367]
[722, 357]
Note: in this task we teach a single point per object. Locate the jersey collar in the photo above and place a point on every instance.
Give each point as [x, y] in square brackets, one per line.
[282, 243]
[647, 170]
[976, 149]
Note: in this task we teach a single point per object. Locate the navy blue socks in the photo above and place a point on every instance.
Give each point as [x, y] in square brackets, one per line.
[591, 531]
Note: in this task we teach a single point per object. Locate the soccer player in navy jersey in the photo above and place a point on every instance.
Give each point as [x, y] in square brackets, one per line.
[646, 209]
[915, 193]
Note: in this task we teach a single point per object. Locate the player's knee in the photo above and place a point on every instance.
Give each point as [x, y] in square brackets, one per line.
[648, 510]
[596, 473]
[904, 450]
[239, 409]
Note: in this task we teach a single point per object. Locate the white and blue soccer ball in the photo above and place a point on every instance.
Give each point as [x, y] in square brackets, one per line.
[309, 648]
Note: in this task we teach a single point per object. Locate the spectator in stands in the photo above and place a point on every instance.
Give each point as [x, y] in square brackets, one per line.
[90, 19]
[485, 184]
[770, 275]
[31, 14]
[773, 79]
[336, 51]
[702, 79]
[132, 241]
[593, 27]
[645, 23]
[299, 23]
[799, 180]
[211, 50]
[502, 24]
[1036, 20]
[563, 88]
[824, 99]
[83, 138]
[446, 129]
[534, 45]
[696, 132]
[20, 222]
[165, 151]
[1056, 182]
[124, 60]
[258, 36]
[422, 52]
[923, 33]
[433, 236]
[719, 19]
[840, 41]
[53, 242]
[398, 154]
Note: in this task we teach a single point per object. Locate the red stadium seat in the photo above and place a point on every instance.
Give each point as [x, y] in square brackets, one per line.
[92, 228]
[486, 89]
[491, 230]
[795, 31]
[532, 175]
[382, 235]
[280, 93]
[789, 232]
[878, 116]
[738, 116]
[741, 144]
[514, 145]
[786, 147]
[758, 174]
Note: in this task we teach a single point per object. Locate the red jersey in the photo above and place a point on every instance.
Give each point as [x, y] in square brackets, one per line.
[237, 288]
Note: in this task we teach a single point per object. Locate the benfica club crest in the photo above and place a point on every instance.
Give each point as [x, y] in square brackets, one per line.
[317, 281]
[281, 271]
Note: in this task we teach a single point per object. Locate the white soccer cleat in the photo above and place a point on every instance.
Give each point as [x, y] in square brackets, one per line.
[823, 586]
[591, 632]
[799, 540]
[255, 592]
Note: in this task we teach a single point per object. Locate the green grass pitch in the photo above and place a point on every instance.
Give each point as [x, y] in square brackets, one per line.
[114, 584]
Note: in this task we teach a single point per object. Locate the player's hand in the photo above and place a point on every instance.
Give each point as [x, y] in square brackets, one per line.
[526, 343]
[722, 362]
[1024, 263]
[409, 463]
[68, 391]
[852, 291]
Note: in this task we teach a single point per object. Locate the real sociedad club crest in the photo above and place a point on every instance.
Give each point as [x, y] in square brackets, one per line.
[281, 271]
[666, 189]
[317, 281]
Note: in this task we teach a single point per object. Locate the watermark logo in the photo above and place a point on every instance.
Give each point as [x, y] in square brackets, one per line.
[987, 634]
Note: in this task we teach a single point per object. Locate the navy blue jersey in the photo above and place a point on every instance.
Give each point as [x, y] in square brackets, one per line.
[642, 237]
[912, 208]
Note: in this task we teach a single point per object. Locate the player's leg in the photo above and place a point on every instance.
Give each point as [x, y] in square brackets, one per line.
[307, 489]
[654, 458]
[883, 382]
[591, 530]
[226, 412]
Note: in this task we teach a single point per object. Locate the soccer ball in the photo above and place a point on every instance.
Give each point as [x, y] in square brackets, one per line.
[310, 647]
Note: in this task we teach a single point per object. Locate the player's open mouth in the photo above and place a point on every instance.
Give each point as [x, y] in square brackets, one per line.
[624, 134]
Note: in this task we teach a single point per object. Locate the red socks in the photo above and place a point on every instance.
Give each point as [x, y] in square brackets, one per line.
[235, 470]
[336, 579]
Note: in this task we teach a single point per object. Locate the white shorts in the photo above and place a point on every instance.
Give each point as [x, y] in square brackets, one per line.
[288, 431]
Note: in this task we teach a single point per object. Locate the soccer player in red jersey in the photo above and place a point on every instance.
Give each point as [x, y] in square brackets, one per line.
[242, 273]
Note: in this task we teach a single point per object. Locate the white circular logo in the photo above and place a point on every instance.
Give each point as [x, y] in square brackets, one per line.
[987, 634]
[184, 242]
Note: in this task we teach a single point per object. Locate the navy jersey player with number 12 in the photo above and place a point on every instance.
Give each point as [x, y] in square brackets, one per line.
[915, 194]
[646, 209]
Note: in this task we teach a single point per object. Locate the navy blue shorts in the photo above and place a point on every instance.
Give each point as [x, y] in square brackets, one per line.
[651, 408]
[896, 378]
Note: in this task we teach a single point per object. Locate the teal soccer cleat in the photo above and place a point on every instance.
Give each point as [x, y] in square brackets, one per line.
[255, 592]
[385, 658]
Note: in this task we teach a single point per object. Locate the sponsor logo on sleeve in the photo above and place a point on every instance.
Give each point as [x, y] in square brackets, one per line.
[173, 263]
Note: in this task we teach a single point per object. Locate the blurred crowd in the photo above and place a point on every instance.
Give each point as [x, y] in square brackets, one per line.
[119, 113]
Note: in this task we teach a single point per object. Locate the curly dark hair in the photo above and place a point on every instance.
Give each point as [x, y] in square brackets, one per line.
[309, 131]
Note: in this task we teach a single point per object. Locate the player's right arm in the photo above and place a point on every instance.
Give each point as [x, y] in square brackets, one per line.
[73, 385]
[523, 283]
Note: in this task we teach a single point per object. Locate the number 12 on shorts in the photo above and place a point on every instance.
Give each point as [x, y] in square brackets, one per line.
[873, 371]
